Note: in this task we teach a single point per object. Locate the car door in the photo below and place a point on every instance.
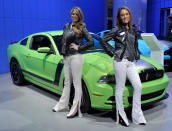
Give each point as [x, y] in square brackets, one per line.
[43, 65]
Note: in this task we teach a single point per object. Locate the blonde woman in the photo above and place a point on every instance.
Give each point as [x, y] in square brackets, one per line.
[73, 61]
[125, 53]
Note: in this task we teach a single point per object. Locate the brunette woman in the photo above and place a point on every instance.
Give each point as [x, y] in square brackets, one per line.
[125, 54]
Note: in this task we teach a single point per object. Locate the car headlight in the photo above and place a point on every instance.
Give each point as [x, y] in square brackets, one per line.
[107, 79]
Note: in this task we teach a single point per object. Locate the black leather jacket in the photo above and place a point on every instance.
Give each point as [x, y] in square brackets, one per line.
[69, 36]
[126, 44]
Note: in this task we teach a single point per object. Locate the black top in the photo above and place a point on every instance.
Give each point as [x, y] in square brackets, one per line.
[69, 36]
[126, 45]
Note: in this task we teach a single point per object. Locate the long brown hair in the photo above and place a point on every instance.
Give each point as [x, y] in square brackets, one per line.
[118, 20]
[80, 24]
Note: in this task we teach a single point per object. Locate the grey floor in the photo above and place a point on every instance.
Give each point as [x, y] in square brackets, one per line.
[28, 108]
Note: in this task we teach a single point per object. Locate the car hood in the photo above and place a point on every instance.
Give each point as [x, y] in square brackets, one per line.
[103, 62]
[100, 61]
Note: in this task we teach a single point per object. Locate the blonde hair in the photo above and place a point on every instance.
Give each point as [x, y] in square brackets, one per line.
[80, 24]
[118, 20]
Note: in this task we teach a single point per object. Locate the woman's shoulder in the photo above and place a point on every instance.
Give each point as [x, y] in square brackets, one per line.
[133, 31]
[84, 28]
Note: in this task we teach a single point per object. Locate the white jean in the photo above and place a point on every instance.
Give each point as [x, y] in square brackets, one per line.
[72, 73]
[122, 70]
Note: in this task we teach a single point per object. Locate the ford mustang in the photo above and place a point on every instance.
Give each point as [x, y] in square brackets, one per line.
[37, 59]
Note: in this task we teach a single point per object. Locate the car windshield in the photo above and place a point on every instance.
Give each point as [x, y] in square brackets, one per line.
[97, 47]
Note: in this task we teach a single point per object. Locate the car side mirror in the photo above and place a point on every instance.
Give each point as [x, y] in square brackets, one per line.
[44, 50]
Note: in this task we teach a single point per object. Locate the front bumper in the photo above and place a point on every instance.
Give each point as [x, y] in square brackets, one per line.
[152, 91]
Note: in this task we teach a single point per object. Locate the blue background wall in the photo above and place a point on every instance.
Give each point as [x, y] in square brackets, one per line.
[153, 14]
[138, 9]
[19, 18]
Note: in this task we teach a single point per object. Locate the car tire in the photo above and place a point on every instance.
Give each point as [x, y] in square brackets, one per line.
[85, 100]
[16, 73]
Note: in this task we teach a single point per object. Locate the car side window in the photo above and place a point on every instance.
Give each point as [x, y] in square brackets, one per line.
[24, 42]
[40, 41]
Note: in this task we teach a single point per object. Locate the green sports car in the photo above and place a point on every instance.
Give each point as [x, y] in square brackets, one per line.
[37, 59]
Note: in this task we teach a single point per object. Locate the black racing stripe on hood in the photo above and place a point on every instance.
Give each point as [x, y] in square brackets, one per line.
[144, 65]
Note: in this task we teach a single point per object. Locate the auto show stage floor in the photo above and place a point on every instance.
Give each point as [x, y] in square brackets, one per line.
[29, 108]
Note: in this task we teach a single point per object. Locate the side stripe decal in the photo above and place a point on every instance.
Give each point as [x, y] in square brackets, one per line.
[58, 72]
[57, 75]
[48, 81]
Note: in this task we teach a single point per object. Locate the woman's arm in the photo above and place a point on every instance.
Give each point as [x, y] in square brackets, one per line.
[63, 42]
[104, 42]
[136, 48]
[89, 43]
[107, 37]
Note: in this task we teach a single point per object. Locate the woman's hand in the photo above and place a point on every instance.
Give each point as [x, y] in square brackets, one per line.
[74, 46]
[115, 55]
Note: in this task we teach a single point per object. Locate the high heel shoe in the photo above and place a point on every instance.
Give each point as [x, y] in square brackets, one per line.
[57, 108]
[79, 114]
[72, 116]
[139, 121]
[142, 124]
[53, 110]
[122, 122]
[74, 111]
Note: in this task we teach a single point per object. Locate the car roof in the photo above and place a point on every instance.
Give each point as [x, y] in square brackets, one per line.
[58, 32]
[53, 33]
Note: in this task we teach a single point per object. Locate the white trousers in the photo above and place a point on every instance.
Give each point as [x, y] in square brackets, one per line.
[72, 73]
[122, 70]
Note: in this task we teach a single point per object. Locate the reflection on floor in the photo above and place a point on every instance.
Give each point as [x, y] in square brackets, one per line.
[28, 108]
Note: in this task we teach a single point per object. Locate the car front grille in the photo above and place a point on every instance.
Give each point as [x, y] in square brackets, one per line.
[148, 96]
[151, 74]
[148, 75]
